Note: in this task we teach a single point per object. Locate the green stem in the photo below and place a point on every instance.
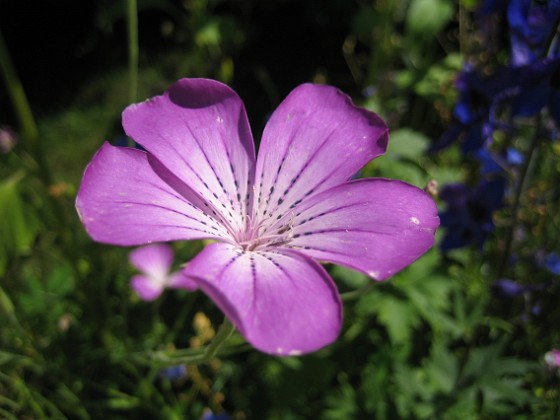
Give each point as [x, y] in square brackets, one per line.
[27, 126]
[357, 293]
[224, 332]
[195, 356]
[517, 197]
[30, 136]
[132, 32]
[17, 95]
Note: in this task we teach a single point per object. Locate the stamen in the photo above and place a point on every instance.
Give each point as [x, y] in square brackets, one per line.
[258, 235]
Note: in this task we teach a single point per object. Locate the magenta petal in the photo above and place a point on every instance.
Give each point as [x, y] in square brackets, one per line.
[377, 226]
[154, 260]
[179, 280]
[122, 201]
[282, 302]
[147, 287]
[315, 139]
[198, 130]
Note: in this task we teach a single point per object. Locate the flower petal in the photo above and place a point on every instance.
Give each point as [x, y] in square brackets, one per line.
[146, 287]
[179, 281]
[377, 226]
[154, 260]
[122, 201]
[198, 130]
[282, 302]
[316, 139]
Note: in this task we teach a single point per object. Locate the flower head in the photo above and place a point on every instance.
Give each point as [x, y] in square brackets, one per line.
[273, 217]
[155, 263]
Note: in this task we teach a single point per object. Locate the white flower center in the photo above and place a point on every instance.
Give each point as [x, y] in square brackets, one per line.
[260, 234]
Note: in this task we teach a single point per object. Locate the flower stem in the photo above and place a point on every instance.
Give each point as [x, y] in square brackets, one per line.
[517, 197]
[194, 356]
[224, 332]
[17, 95]
[30, 136]
[132, 32]
[23, 113]
[132, 35]
[358, 292]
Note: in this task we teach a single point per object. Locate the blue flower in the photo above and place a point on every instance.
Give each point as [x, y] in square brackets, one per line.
[480, 99]
[472, 111]
[174, 373]
[468, 217]
[488, 7]
[552, 263]
[500, 162]
[211, 416]
[537, 87]
[521, 90]
[509, 288]
[532, 25]
[514, 157]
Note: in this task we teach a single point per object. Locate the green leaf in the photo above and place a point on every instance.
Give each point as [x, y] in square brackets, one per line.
[61, 280]
[16, 229]
[505, 390]
[13, 359]
[398, 317]
[403, 159]
[438, 82]
[351, 278]
[443, 368]
[425, 18]
[407, 143]
[341, 404]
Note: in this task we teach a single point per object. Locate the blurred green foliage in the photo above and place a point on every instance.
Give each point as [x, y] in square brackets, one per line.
[432, 342]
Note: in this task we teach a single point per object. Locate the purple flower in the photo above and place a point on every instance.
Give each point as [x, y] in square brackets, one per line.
[273, 217]
[155, 262]
[468, 217]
